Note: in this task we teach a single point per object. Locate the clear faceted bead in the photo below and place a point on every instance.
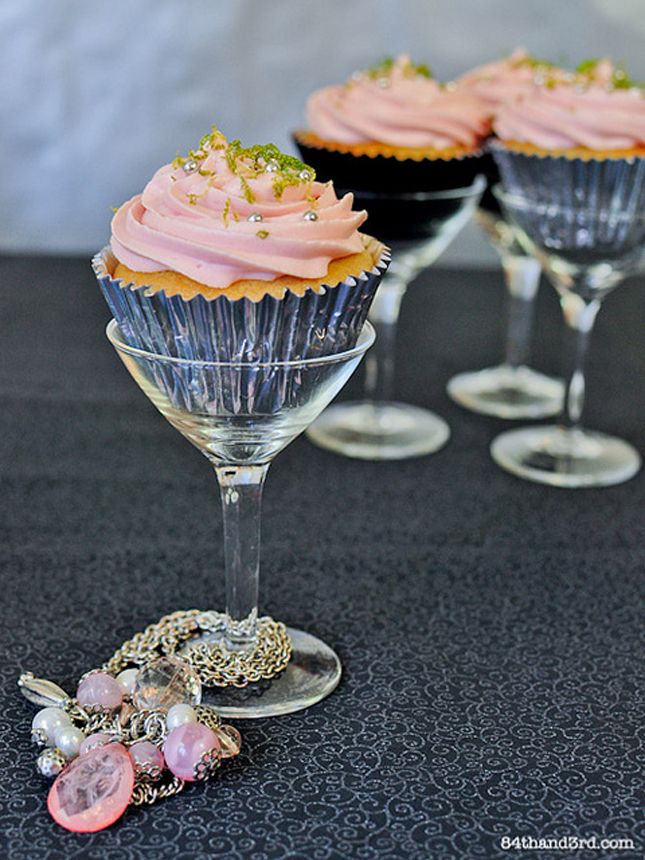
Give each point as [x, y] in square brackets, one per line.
[230, 740]
[165, 682]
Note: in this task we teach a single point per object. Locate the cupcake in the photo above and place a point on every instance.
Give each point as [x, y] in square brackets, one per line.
[497, 83]
[238, 253]
[394, 128]
[578, 142]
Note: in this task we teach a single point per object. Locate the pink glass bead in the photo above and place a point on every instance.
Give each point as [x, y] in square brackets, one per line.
[146, 756]
[93, 741]
[94, 790]
[185, 746]
[100, 689]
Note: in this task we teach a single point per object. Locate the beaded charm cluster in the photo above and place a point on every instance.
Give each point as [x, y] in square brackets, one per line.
[123, 740]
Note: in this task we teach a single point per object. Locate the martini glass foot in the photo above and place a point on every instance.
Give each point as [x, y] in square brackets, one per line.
[379, 431]
[566, 458]
[508, 392]
[313, 673]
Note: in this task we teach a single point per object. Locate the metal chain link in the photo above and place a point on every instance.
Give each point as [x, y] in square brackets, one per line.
[216, 666]
[147, 792]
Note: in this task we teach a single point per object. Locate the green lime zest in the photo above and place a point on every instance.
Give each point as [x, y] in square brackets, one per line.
[248, 162]
[262, 234]
[386, 66]
[587, 66]
[620, 79]
[535, 62]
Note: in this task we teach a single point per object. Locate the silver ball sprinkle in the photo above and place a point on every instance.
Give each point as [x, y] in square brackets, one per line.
[310, 215]
[305, 175]
[383, 83]
[190, 166]
[272, 166]
[50, 762]
[254, 217]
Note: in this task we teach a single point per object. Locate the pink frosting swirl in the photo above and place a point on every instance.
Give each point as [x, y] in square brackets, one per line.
[503, 80]
[220, 219]
[399, 107]
[517, 75]
[566, 116]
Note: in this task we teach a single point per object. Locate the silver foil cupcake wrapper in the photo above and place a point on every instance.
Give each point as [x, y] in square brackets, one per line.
[287, 329]
[577, 205]
[603, 184]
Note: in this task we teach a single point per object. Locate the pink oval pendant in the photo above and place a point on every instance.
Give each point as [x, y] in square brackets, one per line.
[94, 790]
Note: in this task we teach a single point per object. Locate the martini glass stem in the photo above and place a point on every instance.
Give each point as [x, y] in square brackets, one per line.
[384, 316]
[241, 492]
[579, 317]
[522, 278]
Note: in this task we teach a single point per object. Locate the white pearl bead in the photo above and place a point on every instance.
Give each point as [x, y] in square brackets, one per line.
[50, 720]
[69, 740]
[179, 715]
[126, 680]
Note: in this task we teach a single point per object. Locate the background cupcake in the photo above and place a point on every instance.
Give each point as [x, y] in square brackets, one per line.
[235, 252]
[582, 140]
[393, 127]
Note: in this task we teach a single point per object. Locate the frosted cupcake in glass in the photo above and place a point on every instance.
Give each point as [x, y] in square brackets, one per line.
[238, 252]
[409, 148]
[572, 162]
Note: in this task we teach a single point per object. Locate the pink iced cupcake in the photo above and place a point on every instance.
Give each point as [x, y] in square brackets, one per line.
[581, 141]
[393, 127]
[238, 252]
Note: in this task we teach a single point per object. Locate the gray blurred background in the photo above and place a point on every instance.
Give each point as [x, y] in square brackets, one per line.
[96, 95]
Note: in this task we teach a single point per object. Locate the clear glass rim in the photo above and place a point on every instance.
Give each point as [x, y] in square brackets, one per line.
[477, 187]
[518, 201]
[365, 341]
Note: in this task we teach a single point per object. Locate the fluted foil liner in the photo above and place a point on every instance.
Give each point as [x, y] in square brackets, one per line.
[579, 205]
[247, 411]
[602, 184]
[219, 329]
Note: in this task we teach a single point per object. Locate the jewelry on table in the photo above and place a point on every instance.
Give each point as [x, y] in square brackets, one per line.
[136, 731]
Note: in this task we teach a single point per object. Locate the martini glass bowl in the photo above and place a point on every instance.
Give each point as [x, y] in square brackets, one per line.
[240, 415]
[586, 252]
[511, 389]
[418, 227]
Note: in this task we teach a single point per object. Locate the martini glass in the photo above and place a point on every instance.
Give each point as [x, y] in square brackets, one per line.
[586, 253]
[418, 227]
[240, 415]
[511, 389]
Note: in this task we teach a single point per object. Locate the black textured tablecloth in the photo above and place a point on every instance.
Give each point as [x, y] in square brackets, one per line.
[488, 627]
